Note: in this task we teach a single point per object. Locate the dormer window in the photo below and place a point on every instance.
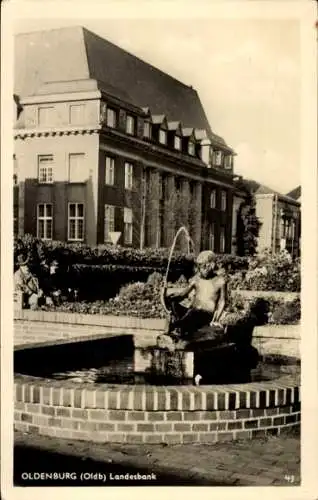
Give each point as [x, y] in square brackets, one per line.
[218, 158]
[111, 118]
[130, 125]
[191, 148]
[228, 162]
[147, 130]
[177, 143]
[162, 136]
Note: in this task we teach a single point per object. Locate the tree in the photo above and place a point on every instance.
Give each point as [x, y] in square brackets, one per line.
[248, 226]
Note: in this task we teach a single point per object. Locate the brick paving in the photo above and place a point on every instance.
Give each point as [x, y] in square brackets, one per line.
[260, 462]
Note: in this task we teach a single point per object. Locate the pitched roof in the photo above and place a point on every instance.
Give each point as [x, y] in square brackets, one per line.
[75, 53]
[257, 188]
[295, 193]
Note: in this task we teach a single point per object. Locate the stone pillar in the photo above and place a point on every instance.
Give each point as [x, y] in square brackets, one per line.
[195, 215]
[184, 207]
[21, 203]
[153, 208]
[169, 210]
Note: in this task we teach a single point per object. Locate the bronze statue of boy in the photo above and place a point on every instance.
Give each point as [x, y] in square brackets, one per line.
[207, 291]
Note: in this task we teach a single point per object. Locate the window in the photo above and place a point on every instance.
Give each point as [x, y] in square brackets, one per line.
[130, 125]
[76, 222]
[128, 226]
[162, 136]
[177, 142]
[76, 167]
[45, 169]
[77, 114]
[212, 236]
[222, 240]
[218, 158]
[44, 221]
[228, 162]
[147, 130]
[109, 222]
[46, 116]
[129, 173]
[110, 171]
[111, 118]
[191, 148]
[223, 201]
[213, 198]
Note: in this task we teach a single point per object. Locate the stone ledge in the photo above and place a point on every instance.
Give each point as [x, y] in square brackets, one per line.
[90, 319]
[251, 396]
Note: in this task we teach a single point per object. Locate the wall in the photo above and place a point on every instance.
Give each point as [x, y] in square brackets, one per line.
[264, 212]
[171, 415]
[30, 193]
[33, 327]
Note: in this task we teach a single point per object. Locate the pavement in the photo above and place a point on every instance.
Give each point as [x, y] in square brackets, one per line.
[271, 461]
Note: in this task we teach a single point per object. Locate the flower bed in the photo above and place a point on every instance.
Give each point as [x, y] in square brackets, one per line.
[143, 300]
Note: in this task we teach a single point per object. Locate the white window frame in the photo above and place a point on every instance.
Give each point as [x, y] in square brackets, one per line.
[177, 142]
[109, 170]
[129, 175]
[45, 218]
[147, 129]
[78, 118]
[191, 147]
[223, 200]
[130, 124]
[212, 236]
[49, 119]
[111, 117]
[213, 198]
[128, 226]
[218, 158]
[162, 136]
[222, 239]
[78, 155]
[77, 218]
[109, 221]
[228, 162]
[45, 172]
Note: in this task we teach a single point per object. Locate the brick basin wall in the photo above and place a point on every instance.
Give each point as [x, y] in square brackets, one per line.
[143, 414]
[42, 327]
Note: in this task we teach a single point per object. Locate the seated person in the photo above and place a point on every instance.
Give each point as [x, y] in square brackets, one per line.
[28, 284]
[209, 292]
[55, 277]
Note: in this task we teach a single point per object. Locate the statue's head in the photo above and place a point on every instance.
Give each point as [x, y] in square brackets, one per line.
[206, 263]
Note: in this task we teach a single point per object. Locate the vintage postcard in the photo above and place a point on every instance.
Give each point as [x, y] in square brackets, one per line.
[159, 249]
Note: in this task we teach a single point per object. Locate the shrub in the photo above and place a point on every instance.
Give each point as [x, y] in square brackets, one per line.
[288, 313]
[269, 272]
[281, 311]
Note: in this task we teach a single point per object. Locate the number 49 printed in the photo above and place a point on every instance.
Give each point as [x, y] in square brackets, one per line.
[289, 478]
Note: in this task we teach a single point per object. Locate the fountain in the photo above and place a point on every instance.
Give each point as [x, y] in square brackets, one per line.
[172, 388]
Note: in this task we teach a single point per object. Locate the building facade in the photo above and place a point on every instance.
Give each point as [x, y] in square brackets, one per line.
[279, 215]
[105, 144]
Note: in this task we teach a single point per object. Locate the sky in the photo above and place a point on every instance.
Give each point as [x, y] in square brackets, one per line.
[247, 73]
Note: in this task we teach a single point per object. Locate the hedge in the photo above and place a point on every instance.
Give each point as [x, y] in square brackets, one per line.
[99, 272]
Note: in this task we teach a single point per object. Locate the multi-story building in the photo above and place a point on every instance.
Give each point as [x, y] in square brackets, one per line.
[279, 215]
[106, 143]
